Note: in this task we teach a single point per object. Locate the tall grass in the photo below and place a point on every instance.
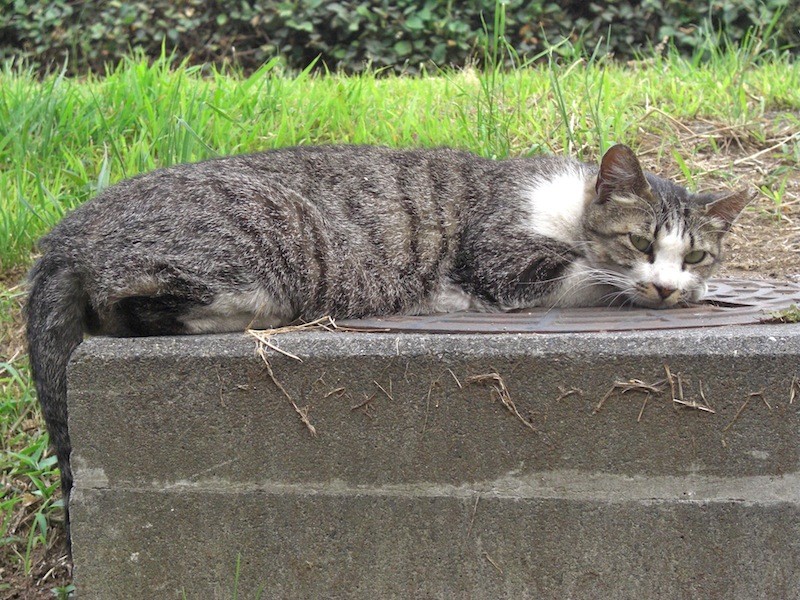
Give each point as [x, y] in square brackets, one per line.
[62, 140]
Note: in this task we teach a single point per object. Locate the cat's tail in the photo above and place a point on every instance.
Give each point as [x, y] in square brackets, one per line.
[56, 313]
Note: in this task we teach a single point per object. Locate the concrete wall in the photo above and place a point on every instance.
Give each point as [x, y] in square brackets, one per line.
[189, 460]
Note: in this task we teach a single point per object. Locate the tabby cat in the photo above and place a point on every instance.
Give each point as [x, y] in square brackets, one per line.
[266, 239]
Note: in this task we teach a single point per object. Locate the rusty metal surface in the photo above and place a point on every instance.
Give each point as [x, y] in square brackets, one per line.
[728, 302]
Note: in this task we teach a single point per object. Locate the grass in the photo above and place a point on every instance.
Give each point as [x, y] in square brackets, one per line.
[62, 140]
[27, 473]
[789, 315]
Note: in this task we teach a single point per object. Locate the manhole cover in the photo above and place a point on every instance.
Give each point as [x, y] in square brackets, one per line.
[728, 302]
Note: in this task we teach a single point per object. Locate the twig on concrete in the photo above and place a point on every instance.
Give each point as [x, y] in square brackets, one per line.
[364, 403]
[632, 385]
[794, 388]
[637, 385]
[736, 416]
[498, 387]
[760, 394]
[269, 344]
[703, 396]
[694, 404]
[566, 393]
[303, 412]
[338, 391]
[474, 512]
[494, 564]
[428, 403]
[603, 399]
[264, 339]
[641, 412]
[264, 336]
[458, 383]
[671, 382]
[381, 388]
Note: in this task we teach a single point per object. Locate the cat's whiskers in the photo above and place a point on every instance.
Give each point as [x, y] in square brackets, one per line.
[593, 276]
[612, 297]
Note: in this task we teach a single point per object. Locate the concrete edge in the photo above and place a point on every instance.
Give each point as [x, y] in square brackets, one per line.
[744, 340]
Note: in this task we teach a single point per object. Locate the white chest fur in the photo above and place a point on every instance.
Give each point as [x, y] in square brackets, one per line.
[557, 204]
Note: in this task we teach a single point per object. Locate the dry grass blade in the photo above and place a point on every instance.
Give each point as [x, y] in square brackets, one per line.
[604, 398]
[703, 396]
[566, 393]
[641, 412]
[264, 336]
[781, 142]
[632, 385]
[474, 512]
[694, 404]
[363, 404]
[680, 400]
[736, 416]
[637, 385]
[10, 361]
[264, 341]
[671, 381]
[435, 382]
[381, 388]
[494, 564]
[303, 412]
[499, 388]
[760, 394]
[794, 388]
[326, 323]
[458, 383]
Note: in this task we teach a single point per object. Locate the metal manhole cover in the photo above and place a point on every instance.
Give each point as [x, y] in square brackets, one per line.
[728, 302]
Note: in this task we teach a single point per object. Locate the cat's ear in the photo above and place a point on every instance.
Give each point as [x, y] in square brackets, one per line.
[621, 175]
[727, 208]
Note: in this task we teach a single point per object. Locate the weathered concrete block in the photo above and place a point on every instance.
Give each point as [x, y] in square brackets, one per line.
[420, 482]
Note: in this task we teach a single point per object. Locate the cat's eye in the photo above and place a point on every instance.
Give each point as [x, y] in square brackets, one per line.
[694, 257]
[641, 243]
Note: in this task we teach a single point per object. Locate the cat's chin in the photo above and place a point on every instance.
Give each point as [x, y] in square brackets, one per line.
[659, 304]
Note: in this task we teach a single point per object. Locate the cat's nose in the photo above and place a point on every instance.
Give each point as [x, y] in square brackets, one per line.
[664, 291]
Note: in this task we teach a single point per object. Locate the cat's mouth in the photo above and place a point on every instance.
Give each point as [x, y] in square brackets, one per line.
[658, 296]
[653, 296]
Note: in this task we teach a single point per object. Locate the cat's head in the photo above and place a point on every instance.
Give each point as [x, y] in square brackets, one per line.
[657, 242]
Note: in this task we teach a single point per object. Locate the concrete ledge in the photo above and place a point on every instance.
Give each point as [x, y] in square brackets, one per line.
[188, 456]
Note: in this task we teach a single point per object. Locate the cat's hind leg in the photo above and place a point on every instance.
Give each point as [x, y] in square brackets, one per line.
[252, 308]
[169, 300]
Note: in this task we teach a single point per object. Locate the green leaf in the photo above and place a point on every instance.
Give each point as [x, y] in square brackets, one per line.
[439, 53]
[301, 26]
[414, 23]
[403, 48]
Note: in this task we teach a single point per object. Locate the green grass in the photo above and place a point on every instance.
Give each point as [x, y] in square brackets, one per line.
[789, 315]
[62, 140]
[28, 473]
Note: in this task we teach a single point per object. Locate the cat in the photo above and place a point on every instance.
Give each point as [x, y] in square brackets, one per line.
[265, 239]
